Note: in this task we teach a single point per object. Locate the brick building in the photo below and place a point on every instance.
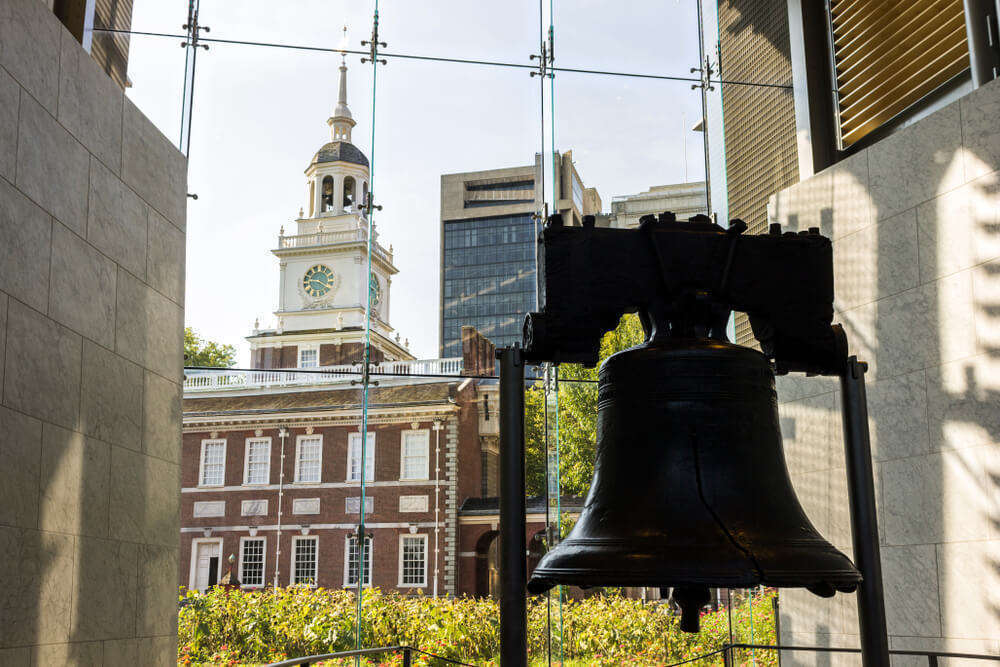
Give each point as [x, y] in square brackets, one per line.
[271, 462]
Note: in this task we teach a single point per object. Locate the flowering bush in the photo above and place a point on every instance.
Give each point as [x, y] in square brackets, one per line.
[253, 627]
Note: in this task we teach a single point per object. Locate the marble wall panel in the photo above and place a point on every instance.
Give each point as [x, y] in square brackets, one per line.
[107, 578]
[917, 163]
[111, 397]
[25, 246]
[20, 451]
[10, 98]
[166, 258]
[82, 287]
[73, 483]
[90, 103]
[153, 167]
[116, 220]
[161, 429]
[37, 598]
[42, 367]
[29, 48]
[52, 166]
[149, 327]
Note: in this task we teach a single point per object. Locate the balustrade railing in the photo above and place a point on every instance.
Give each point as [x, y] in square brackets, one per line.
[332, 238]
[205, 380]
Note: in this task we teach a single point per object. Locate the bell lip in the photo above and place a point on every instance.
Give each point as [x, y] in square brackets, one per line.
[543, 579]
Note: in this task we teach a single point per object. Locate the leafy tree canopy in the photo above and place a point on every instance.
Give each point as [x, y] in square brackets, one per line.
[201, 352]
[577, 417]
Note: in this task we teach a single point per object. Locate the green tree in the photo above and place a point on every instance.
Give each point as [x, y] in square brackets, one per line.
[201, 352]
[577, 417]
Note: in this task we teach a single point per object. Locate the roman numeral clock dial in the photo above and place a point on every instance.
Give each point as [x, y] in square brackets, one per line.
[319, 280]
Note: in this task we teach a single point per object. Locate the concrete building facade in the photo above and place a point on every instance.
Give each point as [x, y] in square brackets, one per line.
[488, 226]
[92, 248]
[684, 199]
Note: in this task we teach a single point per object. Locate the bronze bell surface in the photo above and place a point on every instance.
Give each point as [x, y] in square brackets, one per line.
[690, 486]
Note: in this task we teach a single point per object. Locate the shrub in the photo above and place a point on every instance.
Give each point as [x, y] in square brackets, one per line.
[253, 627]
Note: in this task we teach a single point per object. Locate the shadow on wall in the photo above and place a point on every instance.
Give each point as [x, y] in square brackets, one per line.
[915, 221]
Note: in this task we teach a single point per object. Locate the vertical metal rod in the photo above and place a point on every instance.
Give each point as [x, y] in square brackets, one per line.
[864, 521]
[932, 660]
[407, 657]
[513, 544]
[705, 77]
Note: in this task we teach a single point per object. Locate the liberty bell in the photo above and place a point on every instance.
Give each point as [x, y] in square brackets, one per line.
[690, 487]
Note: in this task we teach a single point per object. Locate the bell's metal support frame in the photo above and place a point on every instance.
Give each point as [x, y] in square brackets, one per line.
[864, 520]
[513, 542]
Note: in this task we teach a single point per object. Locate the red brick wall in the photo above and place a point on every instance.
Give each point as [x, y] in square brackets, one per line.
[332, 502]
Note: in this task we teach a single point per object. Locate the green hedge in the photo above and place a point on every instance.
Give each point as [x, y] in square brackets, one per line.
[236, 627]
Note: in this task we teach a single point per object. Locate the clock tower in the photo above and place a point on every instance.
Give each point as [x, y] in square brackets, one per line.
[324, 284]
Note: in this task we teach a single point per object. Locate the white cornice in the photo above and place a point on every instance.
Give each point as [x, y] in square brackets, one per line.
[319, 418]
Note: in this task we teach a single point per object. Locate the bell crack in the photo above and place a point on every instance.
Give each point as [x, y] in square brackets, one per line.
[718, 520]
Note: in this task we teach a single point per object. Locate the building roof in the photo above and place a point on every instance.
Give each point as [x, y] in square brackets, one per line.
[535, 505]
[340, 151]
[307, 401]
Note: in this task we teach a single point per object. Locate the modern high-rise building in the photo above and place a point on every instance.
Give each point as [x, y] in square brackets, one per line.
[683, 199]
[488, 225]
[760, 154]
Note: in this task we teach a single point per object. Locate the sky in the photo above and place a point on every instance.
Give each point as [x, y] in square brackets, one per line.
[260, 115]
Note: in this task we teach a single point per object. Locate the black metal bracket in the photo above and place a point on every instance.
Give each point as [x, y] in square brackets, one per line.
[864, 519]
[373, 44]
[513, 542]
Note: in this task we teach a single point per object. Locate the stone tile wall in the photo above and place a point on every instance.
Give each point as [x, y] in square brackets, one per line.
[915, 221]
[92, 206]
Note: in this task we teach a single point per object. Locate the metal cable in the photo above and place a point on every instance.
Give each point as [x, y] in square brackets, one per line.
[442, 59]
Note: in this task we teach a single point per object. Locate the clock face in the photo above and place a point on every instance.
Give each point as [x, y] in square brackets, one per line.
[376, 291]
[318, 280]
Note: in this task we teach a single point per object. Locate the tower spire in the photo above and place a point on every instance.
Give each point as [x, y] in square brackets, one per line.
[341, 121]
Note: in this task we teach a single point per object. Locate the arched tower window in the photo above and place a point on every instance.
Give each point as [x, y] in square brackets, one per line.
[364, 193]
[349, 186]
[327, 200]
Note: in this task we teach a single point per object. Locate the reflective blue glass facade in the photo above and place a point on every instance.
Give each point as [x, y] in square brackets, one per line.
[488, 278]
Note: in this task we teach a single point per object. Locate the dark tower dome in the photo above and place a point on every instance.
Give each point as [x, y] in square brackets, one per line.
[340, 151]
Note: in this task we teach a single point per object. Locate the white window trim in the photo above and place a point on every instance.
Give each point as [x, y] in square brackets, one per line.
[201, 461]
[350, 445]
[246, 462]
[291, 570]
[298, 449]
[369, 556]
[194, 559]
[402, 455]
[303, 348]
[404, 536]
[263, 564]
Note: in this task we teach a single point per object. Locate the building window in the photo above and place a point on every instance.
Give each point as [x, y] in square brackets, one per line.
[257, 467]
[213, 463]
[308, 458]
[413, 560]
[351, 561]
[354, 457]
[308, 357]
[326, 203]
[252, 561]
[413, 455]
[304, 554]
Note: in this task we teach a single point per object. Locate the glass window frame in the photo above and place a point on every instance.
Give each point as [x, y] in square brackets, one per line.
[263, 560]
[202, 462]
[298, 459]
[250, 442]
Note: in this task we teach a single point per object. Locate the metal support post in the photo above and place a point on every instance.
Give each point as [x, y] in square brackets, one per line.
[864, 521]
[513, 544]
[407, 657]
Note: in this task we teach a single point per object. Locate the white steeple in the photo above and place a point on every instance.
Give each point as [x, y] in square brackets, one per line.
[341, 121]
